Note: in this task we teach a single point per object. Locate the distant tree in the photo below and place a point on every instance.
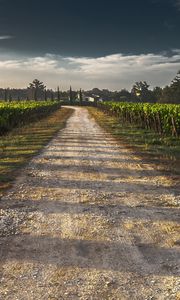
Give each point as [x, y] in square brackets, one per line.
[5, 95]
[45, 94]
[58, 94]
[140, 91]
[171, 93]
[37, 89]
[70, 95]
[80, 97]
[166, 95]
[176, 80]
[157, 93]
[104, 94]
[124, 96]
[10, 97]
[96, 91]
[52, 95]
[175, 88]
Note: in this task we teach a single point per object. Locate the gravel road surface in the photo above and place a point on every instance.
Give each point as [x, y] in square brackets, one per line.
[87, 219]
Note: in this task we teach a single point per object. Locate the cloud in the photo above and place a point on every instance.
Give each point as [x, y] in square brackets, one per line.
[114, 71]
[177, 4]
[6, 37]
[122, 70]
[174, 3]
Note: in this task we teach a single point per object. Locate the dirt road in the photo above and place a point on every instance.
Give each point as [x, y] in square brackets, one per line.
[88, 219]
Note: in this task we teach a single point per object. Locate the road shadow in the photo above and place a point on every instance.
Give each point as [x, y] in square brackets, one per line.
[119, 212]
[99, 185]
[93, 169]
[91, 158]
[144, 259]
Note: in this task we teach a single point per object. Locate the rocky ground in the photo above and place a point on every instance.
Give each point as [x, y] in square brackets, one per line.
[87, 219]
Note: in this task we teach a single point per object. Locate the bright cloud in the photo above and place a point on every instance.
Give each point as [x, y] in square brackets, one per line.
[114, 71]
[5, 37]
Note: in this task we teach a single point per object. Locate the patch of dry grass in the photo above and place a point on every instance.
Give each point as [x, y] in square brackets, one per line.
[21, 144]
[162, 233]
[162, 152]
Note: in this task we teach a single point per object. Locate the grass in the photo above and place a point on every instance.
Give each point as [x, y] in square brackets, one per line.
[163, 152]
[21, 144]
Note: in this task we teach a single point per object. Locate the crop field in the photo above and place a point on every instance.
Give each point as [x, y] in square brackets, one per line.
[15, 114]
[161, 118]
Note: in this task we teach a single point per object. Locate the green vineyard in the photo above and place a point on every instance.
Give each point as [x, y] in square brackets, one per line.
[15, 114]
[161, 118]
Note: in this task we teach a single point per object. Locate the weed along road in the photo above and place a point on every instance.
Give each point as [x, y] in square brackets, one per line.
[87, 219]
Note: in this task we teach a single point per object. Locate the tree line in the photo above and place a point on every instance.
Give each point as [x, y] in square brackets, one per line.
[36, 90]
[140, 92]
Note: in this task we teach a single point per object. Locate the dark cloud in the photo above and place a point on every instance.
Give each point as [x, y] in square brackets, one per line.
[91, 28]
[177, 3]
[84, 38]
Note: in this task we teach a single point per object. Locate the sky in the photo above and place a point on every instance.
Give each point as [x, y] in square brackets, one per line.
[88, 43]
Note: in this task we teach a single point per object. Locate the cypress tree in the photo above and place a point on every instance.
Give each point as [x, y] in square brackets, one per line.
[70, 96]
[10, 98]
[5, 95]
[45, 95]
[80, 97]
[58, 94]
[52, 95]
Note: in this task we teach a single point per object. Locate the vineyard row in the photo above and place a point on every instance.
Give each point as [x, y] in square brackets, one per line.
[19, 113]
[161, 118]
